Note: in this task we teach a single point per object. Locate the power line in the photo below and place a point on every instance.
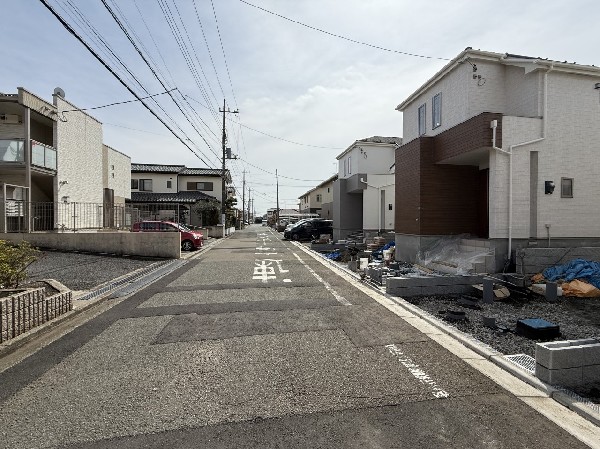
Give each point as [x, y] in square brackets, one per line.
[74, 33]
[223, 50]
[137, 49]
[270, 135]
[342, 37]
[281, 176]
[119, 102]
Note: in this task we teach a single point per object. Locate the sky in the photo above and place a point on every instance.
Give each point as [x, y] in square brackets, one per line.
[303, 95]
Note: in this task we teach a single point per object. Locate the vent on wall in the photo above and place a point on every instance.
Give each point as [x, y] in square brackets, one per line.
[10, 118]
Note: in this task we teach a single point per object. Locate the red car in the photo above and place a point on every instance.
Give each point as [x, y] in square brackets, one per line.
[189, 239]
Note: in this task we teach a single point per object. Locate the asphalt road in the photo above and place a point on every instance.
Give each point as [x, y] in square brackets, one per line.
[256, 344]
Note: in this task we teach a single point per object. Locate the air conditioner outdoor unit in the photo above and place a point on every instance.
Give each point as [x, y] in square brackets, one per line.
[10, 118]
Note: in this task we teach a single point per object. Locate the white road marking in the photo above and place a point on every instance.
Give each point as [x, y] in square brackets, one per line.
[329, 288]
[416, 371]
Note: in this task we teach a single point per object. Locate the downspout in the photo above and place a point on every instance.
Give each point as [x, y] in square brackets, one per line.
[493, 125]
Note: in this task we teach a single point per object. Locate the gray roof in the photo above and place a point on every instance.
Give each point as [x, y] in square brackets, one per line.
[188, 197]
[156, 168]
[201, 171]
[382, 139]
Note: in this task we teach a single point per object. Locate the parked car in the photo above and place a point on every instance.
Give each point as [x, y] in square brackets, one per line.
[189, 239]
[309, 229]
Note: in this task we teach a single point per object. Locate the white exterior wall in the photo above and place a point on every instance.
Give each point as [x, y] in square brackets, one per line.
[372, 202]
[216, 192]
[570, 150]
[514, 130]
[367, 157]
[78, 142]
[454, 104]
[159, 181]
[118, 173]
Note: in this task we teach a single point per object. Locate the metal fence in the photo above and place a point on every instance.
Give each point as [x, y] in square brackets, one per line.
[23, 216]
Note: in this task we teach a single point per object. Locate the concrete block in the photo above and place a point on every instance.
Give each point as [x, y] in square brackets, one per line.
[446, 289]
[403, 292]
[567, 377]
[591, 375]
[591, 354]
[559, 357]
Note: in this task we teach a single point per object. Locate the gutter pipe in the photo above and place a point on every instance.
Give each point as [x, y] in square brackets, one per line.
[493, 125]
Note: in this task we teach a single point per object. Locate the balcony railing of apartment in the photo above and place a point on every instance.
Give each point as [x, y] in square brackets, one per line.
[23, 216]
[13, 150]
[43, 155]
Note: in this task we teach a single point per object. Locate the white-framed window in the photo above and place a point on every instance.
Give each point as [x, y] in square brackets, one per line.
[169, 184]
[436, 111]
[319, 198]
[422, 119]
[566, 187]
[134, 184]
[349, 165]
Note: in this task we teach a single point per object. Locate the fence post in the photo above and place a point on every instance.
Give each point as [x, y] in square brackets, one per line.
[1, 322]
[13, 317]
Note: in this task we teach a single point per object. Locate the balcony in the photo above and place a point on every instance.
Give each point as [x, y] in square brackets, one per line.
[43, 156]
[12, 150]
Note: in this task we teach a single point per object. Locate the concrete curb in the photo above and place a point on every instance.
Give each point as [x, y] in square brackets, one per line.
[479, 348]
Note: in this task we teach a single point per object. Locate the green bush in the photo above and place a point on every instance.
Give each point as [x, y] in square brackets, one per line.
[14, 260]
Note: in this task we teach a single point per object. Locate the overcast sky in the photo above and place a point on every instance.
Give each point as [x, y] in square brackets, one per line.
[288, 81]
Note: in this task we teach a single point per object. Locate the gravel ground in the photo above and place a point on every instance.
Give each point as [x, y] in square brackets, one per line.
[80, 271]
[577, 317]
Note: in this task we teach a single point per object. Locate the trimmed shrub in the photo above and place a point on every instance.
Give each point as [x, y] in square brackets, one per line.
[14, 260]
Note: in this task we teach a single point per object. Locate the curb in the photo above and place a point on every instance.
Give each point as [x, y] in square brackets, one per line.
[558, 394]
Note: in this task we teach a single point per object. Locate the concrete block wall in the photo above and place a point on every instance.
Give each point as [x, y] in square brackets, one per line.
[431, 285]
[570, 363]
[147, 244]
[535, 260]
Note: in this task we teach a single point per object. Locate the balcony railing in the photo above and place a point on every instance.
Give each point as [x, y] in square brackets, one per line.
[43, 155]
[12, 150]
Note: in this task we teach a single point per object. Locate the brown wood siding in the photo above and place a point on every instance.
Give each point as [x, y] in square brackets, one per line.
[408, 187]
[443, 199]
[467, 136]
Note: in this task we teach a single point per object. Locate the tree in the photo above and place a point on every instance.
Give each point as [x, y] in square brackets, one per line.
[14, 260]
[230, 218]
[208, 211]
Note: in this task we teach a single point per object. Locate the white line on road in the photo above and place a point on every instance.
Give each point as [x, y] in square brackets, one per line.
[416, 371]
[329, 288]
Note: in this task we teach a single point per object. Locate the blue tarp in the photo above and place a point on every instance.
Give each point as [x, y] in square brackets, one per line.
[585, 270]
[386, 246]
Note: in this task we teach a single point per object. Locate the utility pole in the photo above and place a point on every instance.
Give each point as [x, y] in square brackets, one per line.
[224, 142]
[249, 203]
[244, 201]
[277, 213]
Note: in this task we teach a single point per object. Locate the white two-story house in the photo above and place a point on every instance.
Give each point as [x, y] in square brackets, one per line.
[502, 147]
[176, 192]
[363, 195]
[319, 200]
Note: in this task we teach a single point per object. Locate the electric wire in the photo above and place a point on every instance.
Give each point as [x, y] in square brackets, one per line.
[342, 37]
[118, 102]
[95, 54]
[281, 176]
[137, 48]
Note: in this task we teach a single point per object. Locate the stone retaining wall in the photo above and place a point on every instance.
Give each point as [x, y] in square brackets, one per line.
[25, 310]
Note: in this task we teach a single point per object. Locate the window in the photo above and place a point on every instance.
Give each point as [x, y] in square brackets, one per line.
[169, 184]
[349, 165]
[204, 186]
[422, 120]
[566, 187]
[134, 184]
[145, 185]
[436, 111]
[319, 198]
